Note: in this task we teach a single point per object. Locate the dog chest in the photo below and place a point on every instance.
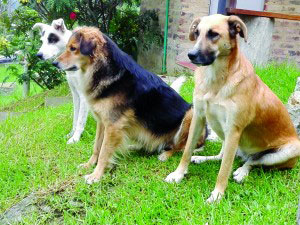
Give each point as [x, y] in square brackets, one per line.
[216, 117]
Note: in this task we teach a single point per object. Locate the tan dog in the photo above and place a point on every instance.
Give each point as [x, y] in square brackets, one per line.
[239, 107]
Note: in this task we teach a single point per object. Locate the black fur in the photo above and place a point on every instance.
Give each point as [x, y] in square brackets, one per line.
[159, 108]
[53, 38]
[233, 30]
[87, 47]
[259, 155]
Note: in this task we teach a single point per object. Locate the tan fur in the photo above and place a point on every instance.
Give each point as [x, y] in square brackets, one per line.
[113, 127]
[239, 107]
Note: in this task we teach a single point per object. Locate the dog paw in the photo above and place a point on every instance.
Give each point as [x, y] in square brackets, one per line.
[174, 177]
[163, 156]
[198, 159]
[92, 178]
[215, 197]
[240, 174]
[199, 149]
[84, 166]
[73, 140]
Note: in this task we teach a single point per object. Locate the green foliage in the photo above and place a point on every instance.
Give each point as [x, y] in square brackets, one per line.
[131, 29]
[120, 19]
[23, 43]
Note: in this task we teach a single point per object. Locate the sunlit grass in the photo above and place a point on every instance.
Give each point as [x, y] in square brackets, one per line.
[34, 157]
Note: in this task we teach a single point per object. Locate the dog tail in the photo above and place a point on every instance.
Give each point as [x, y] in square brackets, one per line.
[177, 84]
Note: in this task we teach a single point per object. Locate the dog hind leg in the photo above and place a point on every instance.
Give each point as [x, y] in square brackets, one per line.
[196, 128]
[164, 156]
[181, 137]
[201, 159]
[284, 158]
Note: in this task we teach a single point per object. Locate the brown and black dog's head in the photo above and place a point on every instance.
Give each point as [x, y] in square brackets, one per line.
[84, 47]
[215, 36]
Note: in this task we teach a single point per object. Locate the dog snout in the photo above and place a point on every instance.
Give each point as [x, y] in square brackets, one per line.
[55, 63]
[193, 54]
[40, 55]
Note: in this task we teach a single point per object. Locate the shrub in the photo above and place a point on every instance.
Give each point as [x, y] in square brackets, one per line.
[23, 43]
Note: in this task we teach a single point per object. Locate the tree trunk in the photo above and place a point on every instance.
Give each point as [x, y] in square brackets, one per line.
[26, 84]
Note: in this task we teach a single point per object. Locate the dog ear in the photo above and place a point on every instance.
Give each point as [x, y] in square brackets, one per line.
[38, 26]
[59, 25]
[237, 26]
[192, 34]
[87, 46]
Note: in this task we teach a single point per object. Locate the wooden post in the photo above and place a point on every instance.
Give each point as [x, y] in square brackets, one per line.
[26, 84]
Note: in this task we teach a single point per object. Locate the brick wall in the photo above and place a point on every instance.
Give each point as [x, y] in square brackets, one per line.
[286, 35]
[181, 14]
[285, 43]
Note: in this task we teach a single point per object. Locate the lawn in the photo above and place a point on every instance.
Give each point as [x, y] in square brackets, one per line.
[8, 76]
[34, 157]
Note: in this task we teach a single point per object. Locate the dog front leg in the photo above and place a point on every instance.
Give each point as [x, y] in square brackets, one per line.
[231, 143]
[81, 119]
[76, 104]
[113, 138]
[196, 129]
[97, 146]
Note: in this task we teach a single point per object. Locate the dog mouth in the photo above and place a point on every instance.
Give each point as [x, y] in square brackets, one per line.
[72, 68]
[60, 66]
[201, 63]
[199, 58]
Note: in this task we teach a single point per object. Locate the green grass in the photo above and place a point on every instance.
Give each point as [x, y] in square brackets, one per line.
[281, 78]
[7, 76]
[34, 157]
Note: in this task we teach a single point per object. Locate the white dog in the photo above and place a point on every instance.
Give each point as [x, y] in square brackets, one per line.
[54, 40]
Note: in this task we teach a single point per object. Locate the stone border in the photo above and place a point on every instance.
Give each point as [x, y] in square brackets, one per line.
[5, 115]
[57, 101]
[16, 213]
[7, 88]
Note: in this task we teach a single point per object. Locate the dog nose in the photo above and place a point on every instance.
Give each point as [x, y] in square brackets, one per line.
[40, 55]
[55, 63]
[193, 54]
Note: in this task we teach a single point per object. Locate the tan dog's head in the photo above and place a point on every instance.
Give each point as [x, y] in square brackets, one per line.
[85, 46]
[215, 36]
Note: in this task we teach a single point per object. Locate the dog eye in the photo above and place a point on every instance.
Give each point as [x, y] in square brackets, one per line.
[212, 35]
[72, 49]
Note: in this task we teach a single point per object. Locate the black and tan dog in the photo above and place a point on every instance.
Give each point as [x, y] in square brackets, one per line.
[238, 106]
[126, 100]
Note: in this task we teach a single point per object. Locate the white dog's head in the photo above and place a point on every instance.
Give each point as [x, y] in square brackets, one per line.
[54, 38]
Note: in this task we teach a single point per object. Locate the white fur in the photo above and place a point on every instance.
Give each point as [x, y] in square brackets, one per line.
[286, 152]
[49, 51]
[242, 172]
[174, 177]
[177, 84]
[215, 196]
